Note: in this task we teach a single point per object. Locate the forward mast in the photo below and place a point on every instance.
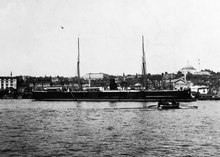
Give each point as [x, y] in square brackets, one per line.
[144, 65]
[78, 68]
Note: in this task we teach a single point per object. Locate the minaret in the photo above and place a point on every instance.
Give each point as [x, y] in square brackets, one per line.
[123, 76]
[185, 72]
[89, 80]
[78, 68]
[144, 65]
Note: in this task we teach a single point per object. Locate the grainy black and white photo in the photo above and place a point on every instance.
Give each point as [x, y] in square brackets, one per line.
[109, 78]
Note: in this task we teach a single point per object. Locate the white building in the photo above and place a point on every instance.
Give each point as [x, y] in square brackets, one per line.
[54, 79]
[204, 73]
[8, 82]
[95, 76]
[179, 84]
[200, 89]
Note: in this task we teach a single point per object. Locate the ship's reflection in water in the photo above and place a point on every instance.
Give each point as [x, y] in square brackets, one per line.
[29, 128]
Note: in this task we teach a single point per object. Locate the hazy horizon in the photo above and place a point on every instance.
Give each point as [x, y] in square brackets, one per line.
[39, 37]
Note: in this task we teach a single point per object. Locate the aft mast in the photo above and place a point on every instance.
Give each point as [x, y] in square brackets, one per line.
[78, 68]
[144, 65]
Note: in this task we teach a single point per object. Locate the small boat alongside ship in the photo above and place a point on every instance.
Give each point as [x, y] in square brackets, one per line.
[113, 94]
[164, 104]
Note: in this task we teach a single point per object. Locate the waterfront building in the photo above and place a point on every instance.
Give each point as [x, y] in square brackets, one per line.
[54, 79]
[177, 84]
[203, 73]
[129, 76]
[95, 76]
[200, 89]
[138, 86]
[8, 82]
[44, 84]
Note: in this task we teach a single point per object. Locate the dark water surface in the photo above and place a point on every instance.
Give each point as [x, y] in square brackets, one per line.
[30, 128]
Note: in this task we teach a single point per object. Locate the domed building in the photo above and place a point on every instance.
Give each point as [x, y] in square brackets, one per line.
[188, 69]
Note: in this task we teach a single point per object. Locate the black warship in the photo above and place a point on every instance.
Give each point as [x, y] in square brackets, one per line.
[144, 95]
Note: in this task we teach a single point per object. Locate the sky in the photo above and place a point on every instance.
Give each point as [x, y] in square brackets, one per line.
[39, 37]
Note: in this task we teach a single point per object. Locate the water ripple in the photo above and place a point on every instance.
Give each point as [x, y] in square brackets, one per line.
[30, 128]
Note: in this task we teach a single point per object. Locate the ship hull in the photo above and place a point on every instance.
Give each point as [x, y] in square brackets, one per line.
[138, 96]
[3, 93]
